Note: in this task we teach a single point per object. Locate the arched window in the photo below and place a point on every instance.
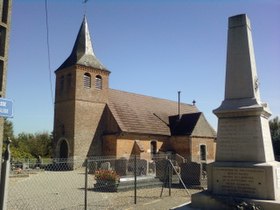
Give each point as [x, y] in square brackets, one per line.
[98, 82]
[87, 80]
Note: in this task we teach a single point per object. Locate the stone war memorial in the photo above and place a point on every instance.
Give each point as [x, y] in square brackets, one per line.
[245, 170]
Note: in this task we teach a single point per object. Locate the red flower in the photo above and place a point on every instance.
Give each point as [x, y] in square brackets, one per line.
[108, 175]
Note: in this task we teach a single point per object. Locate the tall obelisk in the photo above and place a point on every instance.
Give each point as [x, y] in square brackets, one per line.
[245, 167]
[243, 129]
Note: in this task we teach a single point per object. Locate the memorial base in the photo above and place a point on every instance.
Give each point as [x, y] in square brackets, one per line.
[255, 181]
[233, 183]
[206, 200]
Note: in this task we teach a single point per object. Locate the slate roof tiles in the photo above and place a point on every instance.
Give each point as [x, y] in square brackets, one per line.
[137, 113]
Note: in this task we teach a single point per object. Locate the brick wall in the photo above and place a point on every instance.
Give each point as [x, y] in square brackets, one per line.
[181, 144]
[123, 145]
[64, 126]
[210, 148]
[87, 130]
[79, 110]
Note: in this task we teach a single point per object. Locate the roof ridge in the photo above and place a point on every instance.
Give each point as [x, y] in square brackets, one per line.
[152, 97]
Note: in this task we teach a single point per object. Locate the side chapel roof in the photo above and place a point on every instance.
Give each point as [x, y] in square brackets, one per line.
[82, 52]
[191, 124]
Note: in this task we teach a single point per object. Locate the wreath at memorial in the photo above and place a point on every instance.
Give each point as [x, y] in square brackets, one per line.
[106, 180]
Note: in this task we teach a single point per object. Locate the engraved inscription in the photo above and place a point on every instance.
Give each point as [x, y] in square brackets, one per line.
[249, 182]
[235, 136]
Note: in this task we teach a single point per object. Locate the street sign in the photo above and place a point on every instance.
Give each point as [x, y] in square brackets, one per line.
[6, 107]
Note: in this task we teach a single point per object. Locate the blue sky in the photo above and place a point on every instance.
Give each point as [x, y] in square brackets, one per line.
[152, 47]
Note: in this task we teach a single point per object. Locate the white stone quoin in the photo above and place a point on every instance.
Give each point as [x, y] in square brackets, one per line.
[245, 168]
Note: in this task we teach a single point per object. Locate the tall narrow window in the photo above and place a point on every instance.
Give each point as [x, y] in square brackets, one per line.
[62, 130]
[98, 82]
[61, 84]
[69, 81]
[1, 74]
[87, 80]
[5, 10]
[2, 40]
[153, 147]
[202, 152]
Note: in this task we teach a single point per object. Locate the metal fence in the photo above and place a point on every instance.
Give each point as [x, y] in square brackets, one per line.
[104, 183]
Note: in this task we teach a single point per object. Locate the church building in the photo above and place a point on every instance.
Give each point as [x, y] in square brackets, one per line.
[91, 119]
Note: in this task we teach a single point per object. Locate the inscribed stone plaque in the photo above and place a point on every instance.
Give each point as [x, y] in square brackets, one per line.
[236, 135]
[248, 182]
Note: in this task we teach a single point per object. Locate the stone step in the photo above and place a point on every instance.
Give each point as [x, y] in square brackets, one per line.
[127, 183]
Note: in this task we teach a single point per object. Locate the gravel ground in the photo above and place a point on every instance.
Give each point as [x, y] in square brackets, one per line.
[65, 190]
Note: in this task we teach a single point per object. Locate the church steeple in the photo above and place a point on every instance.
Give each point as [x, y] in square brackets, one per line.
[81, 95]
[82, 52]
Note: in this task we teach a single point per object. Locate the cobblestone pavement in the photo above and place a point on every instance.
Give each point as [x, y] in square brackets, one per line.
[65, 190]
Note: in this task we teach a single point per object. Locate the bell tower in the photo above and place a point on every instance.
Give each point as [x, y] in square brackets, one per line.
[81, 94]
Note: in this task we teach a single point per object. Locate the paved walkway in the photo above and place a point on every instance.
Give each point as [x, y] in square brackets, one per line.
[158, 204]
[65, 190]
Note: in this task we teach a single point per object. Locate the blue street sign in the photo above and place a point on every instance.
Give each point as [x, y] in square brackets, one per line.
[6, 107]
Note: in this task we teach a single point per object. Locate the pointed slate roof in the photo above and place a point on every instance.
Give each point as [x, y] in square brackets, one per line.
[82, 52]
[137, 113]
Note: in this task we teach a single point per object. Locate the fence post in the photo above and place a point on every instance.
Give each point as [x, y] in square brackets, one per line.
[135, 180]
[169, 176]
[5, 177]
[86, 182]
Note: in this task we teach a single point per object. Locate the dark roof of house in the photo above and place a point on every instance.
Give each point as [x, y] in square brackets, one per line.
[192, 124]
[137, 113]
[183, 125]
[82, 52]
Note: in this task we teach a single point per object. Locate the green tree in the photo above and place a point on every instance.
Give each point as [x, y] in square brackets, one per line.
[38, 144]
[8, 129]
[274, 125]
[27, 145]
